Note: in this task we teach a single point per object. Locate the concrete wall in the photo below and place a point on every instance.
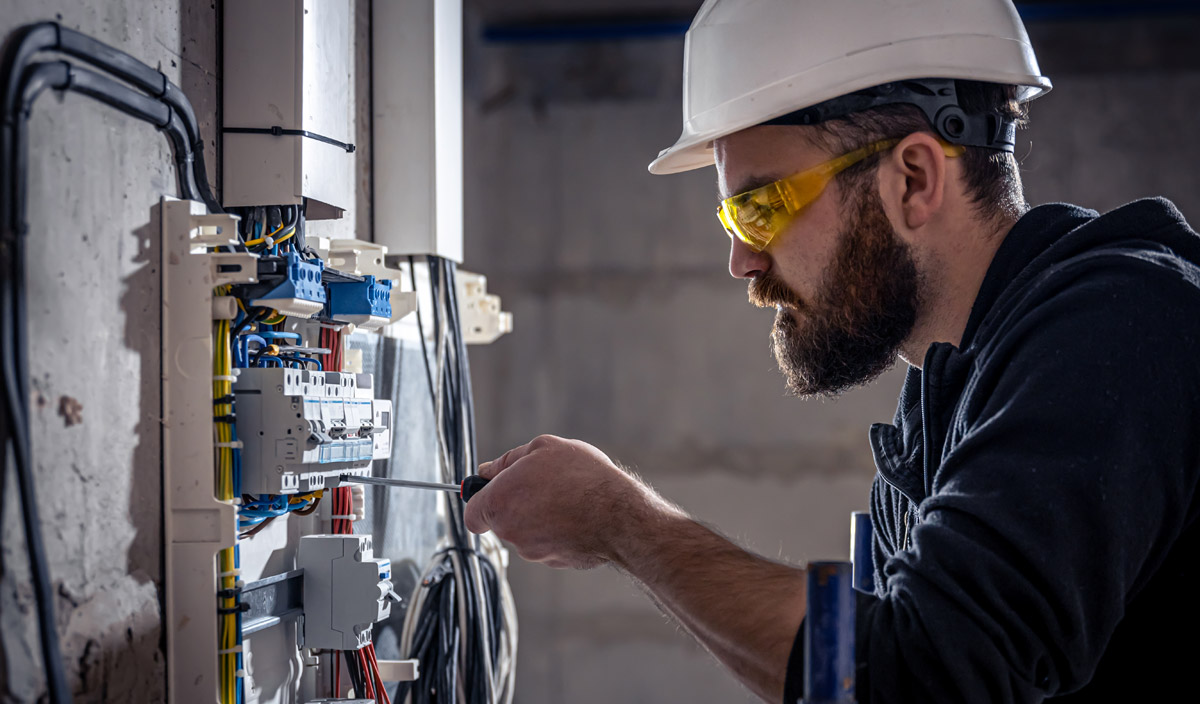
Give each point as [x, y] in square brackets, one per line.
[631, 335]
[94, 340]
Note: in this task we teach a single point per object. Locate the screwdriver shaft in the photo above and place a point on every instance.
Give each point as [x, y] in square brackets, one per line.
[401, 482]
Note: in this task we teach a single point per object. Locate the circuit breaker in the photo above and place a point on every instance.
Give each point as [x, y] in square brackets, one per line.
[302, 428]
[346, 590]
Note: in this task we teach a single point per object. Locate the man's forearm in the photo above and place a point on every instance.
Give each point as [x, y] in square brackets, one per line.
[743, 608]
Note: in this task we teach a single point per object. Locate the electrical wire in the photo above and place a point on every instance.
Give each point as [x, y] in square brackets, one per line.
[461, 621]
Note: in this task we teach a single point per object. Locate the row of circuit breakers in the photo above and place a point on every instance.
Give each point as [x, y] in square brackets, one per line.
[307, 427]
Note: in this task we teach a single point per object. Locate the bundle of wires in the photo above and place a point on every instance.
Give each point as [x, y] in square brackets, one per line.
[361, 664]
[331, 339]
[272, 229]
[229, 626]
[229, 457]
[228, 486]
[461, 622]
[257, 511]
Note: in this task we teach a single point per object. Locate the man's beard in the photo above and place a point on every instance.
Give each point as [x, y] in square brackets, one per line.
[865, 310]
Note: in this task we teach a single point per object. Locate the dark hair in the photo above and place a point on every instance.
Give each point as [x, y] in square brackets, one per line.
[993, 180]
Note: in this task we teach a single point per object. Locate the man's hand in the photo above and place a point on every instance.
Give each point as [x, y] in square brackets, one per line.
[565, 504]
[562, 503]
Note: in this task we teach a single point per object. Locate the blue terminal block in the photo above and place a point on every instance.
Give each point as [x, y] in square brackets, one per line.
[366, 303]
[829, 670]
[301, 293]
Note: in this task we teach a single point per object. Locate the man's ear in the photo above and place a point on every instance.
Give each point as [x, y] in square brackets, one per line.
[914, 180]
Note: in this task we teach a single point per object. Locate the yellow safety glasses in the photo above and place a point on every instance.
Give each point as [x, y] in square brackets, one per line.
[757, 215]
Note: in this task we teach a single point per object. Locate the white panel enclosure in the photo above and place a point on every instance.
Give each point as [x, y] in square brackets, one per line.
[288, 64]
[417, 129]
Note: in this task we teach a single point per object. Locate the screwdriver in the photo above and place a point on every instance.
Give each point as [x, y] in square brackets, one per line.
[470, 486]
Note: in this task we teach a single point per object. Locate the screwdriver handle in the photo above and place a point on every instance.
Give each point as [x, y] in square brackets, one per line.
[471, 486]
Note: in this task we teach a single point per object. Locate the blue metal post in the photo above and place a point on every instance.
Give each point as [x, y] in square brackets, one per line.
[860, 552]
[829, 634]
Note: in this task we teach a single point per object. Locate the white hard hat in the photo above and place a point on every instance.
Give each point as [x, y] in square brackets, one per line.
[749, 61]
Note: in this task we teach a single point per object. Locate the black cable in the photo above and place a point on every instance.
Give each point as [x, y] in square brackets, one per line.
[355, 671]
[13, 158]
[412, 275]
[51, 36]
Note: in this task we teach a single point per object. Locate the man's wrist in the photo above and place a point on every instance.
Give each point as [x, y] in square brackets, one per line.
[639, 530]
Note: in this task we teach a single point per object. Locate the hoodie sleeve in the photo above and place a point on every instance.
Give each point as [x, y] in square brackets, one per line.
[1070, 472]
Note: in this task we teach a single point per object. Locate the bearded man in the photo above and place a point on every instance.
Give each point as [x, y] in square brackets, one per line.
[1034, 510]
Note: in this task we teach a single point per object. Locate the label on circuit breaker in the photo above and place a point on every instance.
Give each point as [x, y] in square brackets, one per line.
[347, 451]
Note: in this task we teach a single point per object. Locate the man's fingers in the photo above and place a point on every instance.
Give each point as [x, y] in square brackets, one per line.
[488, 470]
[477, 514]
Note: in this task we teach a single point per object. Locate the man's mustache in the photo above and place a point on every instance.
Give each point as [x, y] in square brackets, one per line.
[766, 291]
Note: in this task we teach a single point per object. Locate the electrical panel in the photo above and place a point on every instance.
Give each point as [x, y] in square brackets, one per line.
[256, 324]
[274, 586]
[275, 390]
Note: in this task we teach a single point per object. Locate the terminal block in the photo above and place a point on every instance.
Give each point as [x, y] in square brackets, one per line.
[296, 287]
[365, 303]
[302, 429]
[346, 590]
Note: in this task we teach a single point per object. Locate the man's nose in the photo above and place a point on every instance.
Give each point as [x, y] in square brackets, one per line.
[745, 263]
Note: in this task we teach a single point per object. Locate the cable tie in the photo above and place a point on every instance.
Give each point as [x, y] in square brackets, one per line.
[228, 651]
[224, 400]
[348, 517]
[227, 418]
[240, 673]
[239, 609]
[225, 377]
[231, 573]
[228, 593]
[236, 444]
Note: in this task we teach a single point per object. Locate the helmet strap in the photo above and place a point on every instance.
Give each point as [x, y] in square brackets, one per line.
[936, 97]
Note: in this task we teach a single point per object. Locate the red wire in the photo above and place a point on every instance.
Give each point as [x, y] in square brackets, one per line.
[337, 674]
[368, 683]
[342, 506]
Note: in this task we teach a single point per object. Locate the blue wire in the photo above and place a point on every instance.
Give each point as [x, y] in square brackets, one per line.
[243, 348]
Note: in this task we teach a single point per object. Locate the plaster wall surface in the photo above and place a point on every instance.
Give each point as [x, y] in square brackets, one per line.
[94, 355]
[630, 334]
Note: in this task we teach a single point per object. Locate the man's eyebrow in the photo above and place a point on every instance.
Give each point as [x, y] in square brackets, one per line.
[750, 183]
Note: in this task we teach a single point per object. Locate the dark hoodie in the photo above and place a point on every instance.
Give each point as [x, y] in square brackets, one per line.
[1035, 505]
